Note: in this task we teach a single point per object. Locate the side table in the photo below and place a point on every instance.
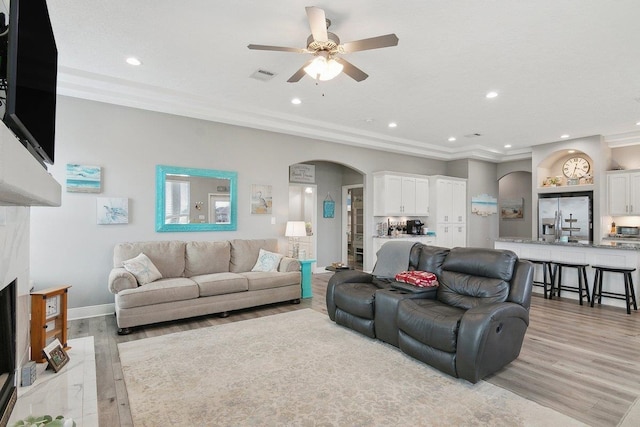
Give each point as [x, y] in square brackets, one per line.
[305, 272]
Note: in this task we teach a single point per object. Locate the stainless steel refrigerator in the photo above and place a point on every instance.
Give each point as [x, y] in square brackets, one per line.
[575, 217]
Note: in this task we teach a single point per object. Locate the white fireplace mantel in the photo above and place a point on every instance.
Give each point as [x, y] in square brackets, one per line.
[23, 181]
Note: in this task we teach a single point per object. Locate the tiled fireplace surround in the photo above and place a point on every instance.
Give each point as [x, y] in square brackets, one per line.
[23, 183]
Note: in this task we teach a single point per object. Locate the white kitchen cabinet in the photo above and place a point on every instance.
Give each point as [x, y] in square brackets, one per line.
[449, 209]
[623, 193]
[451, 235]
[400, 195]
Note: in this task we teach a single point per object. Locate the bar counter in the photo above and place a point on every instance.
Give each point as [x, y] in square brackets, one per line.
[606, 253]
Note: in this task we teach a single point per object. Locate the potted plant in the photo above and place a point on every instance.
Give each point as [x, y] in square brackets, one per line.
[44, 420]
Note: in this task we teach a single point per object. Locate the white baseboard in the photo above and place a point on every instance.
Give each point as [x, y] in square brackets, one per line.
[90, 311]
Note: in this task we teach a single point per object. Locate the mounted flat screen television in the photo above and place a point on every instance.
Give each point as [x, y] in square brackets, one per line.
[32, 72]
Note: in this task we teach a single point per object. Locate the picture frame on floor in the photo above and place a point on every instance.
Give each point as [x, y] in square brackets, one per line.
[55, 355]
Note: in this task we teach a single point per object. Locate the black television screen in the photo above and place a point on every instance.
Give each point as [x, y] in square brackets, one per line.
[32, 70]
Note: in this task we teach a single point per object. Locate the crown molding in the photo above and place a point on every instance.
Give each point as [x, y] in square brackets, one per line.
[81, 84]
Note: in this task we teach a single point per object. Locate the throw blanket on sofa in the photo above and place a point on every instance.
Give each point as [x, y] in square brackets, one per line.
[393, 258]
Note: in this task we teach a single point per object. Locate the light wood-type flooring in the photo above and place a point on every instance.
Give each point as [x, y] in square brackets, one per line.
[581, 361]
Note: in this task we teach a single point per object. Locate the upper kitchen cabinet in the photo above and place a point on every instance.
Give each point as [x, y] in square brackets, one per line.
[449, 207]
[397, 194]
[450, 197]
[623, 192]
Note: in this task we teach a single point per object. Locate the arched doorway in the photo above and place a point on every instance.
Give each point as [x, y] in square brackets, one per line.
[329, 179]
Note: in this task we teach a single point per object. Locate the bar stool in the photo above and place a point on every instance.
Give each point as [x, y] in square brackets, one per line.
[547, 275]
[629, 293]
[583, 284]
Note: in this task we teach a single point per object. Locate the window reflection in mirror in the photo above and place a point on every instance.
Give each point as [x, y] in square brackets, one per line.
[191, 199]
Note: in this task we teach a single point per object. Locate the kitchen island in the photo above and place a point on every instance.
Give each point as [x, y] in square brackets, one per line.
[606, 253]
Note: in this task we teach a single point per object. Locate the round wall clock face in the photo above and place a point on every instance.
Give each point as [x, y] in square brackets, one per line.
[576, 167]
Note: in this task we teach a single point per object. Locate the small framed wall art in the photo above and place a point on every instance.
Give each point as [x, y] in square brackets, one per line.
[261, 202]
[83, 178]
[112, 210]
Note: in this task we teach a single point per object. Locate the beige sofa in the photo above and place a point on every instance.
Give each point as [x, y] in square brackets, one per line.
[198, 278]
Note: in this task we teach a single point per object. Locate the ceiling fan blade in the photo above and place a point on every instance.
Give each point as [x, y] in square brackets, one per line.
[372, 43]
[299, 74]
[352, 71]
[318, 23]
[277, 48]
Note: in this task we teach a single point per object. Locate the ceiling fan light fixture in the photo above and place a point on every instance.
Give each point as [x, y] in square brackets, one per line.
[323, 69]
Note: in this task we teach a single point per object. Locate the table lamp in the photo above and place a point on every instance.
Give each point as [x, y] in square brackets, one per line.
[295, 230]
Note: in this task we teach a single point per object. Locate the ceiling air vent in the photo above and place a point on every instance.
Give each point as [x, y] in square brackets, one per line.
[262, 75]
[472, 135]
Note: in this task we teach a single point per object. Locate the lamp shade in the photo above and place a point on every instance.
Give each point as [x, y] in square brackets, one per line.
[295, 229]
[323, 69]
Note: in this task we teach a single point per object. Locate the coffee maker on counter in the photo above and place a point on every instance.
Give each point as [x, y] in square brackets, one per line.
[414, 226]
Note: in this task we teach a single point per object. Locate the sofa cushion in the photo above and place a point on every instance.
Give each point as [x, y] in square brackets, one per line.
[167, 256]
[432, 258]
[494, 263]
[220, 283]
[142, 268]
[466, 291]
[430, 322]
[163, 290]
[206, 258]
[267, 261]
[244, 253]
[267, 280]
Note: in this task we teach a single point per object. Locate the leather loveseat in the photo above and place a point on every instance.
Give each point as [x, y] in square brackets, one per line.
[470, 326]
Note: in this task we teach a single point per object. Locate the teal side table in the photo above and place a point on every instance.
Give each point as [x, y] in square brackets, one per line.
[305, 272]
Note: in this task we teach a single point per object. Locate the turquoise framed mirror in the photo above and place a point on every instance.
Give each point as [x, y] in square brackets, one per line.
[190, 199]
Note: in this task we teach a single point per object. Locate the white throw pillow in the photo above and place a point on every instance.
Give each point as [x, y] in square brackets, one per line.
[267, 261]
[142, 268]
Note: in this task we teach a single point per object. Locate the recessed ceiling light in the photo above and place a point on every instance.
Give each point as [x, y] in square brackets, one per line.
[132, 60]
[565, 136]
[296, 101]
[637, 123]
[571, 151]
[507, 146]
[393, 125]
[491, 94]
[451, 139]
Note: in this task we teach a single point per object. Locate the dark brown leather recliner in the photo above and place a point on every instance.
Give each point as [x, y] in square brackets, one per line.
[476, 323]
[472, 325]
[351, 295]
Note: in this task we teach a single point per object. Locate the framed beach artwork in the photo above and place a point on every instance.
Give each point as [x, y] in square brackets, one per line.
[83, 178]
[512, 208]
[484, 205]
[261, 203]
[112, 210]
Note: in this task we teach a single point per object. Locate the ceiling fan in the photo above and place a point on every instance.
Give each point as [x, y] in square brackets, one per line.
[325, 47]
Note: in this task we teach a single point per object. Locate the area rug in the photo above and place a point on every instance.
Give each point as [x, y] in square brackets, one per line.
[301, 369]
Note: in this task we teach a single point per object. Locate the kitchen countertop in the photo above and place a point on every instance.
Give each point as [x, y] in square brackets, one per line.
[608, 244]
[405, 236]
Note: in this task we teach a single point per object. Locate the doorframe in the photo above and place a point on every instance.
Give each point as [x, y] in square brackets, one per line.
[314, 213]
[345, 219]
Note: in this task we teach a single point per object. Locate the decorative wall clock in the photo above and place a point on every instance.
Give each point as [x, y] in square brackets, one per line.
[576, 167]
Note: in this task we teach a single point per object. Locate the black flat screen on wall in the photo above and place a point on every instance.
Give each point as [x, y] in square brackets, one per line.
[32, 70]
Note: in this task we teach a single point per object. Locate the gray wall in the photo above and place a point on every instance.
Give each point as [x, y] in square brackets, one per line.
[67, 247]
[516, 185]
[481, 230]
